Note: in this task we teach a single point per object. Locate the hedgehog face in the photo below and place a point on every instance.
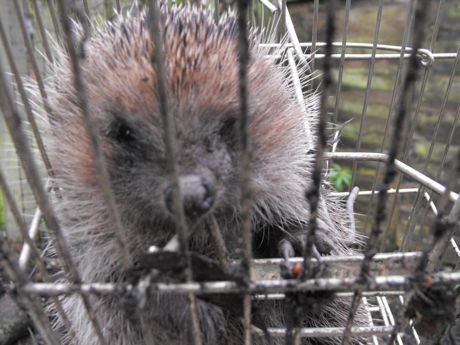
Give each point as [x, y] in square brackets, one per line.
[202, 87]
[207, 160]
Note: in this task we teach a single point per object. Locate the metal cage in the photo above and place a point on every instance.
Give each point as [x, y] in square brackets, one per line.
[403, 190]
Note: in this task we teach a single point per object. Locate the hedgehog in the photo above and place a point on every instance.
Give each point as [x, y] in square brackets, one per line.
[201, 74]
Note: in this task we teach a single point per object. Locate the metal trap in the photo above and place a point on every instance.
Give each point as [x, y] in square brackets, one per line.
[401, 149]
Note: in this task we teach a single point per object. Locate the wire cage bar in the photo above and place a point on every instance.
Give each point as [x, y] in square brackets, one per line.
[384, 283]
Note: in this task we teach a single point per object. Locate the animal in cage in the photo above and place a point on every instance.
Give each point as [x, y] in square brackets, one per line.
[201, 92]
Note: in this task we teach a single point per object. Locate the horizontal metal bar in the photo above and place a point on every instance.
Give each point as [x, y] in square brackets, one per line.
[320, 332]
[387, 283]
[280, 296]
[427, 57]
[370, 192]
[362, 45]
[344, 258]
[400, 166]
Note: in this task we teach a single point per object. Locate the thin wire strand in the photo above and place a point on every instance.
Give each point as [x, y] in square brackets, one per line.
[53, 15]
[412, 224]
[409, 79]
[338, 92]
[413, 124]
[20, 85]
[394, 94]
[370, 75]
[314, 33]
[42, 29]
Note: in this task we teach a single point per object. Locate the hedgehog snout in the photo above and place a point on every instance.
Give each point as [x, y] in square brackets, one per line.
[197, 195]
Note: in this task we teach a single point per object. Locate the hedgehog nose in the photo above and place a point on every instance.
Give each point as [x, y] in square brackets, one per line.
[197, 193]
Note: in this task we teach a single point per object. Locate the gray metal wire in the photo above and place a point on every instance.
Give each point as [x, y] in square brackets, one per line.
[382, 290]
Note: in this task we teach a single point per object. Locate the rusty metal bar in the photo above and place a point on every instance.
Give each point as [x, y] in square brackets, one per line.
[99, 161]
[169, 139]
[313, 192]
[379, 283]
[245, 159]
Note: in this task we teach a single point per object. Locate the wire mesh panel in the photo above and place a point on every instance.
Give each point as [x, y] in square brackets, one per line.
[351, 94]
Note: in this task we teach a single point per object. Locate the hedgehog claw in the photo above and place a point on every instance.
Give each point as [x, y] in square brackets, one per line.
[286, 249]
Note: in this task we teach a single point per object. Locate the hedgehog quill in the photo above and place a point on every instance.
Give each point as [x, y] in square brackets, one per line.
[201, 75]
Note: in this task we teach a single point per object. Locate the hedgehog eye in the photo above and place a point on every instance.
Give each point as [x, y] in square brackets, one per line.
[227, 130]
[121, 132]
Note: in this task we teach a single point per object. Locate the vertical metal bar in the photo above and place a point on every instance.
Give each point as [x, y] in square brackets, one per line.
[291, 33]
[410, 16]
[342, 60]
[442, 110]
[262, 20]
[86, 7]
[16, 128]
[30, 49]
[410, 77]
[41, 27]
[442, 229]
[39, 319]
[449, 142]
[443, 237]
[411, 131]
[418, 198]
[52, 10]
[314, 33]
[370, 75]
[216, 11]
[21, 88]
[25, 235]
[282, 28]
[436, 24]
[169, 139]
[313, 192]
[101, 171]
[13, 208]
[245, 159]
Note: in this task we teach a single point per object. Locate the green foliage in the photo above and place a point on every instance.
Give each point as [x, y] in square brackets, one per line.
[340, 176]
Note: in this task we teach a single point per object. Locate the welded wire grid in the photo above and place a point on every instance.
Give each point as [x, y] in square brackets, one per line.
[385, 293]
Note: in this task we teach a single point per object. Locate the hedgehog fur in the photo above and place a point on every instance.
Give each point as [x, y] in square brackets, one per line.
[201, 69]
